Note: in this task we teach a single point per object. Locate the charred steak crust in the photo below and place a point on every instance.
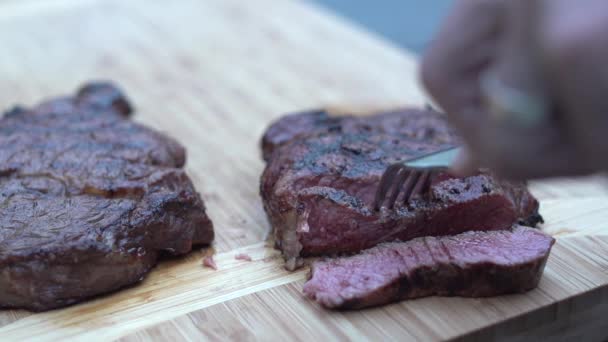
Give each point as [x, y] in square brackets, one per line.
[471, 264]
[405, 123]
[89, 200]
[322, 173]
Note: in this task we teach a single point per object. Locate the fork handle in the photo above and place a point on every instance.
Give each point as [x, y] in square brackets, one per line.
[442, 158]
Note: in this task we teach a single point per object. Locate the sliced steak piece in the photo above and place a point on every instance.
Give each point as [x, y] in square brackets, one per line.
[90, 200]
[320, 181]
[471, 264]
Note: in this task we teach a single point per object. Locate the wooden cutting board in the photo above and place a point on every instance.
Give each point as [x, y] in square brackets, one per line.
[214, 74]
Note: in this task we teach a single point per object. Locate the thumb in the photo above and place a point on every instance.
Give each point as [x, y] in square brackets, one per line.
[465, 164]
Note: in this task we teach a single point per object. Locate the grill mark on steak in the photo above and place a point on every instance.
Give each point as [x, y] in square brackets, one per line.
[89, 200]
[328, 168]
[471, 264]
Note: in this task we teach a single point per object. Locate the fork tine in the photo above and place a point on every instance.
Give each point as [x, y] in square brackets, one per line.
[421, 184]
[411, 182]
[400, 178]
[385, 184]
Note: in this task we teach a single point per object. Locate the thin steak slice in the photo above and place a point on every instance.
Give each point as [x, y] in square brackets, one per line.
[89, 199]
[471, 264]
[322, 173]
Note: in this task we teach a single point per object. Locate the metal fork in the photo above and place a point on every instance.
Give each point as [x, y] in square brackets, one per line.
[412, 177]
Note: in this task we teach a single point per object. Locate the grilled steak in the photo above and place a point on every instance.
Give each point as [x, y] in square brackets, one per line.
[471, 264]
[89, 200]
[322, 173]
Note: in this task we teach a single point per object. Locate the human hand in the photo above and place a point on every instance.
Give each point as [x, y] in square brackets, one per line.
[552, 49]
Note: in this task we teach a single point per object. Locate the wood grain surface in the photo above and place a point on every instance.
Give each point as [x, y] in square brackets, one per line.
[214, 74]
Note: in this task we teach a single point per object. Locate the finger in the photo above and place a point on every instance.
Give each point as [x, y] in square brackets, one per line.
[519, 153]
[465, 164]
[575, 52]
[462, 48]
[535, 156]
[518, 58]
[509, 147]
[573, 138]
[516, 153]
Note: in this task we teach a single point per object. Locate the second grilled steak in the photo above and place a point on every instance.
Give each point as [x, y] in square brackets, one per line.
[90, 199]
[322, 174]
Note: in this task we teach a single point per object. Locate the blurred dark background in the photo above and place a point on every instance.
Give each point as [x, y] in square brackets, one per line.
[408, 23]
